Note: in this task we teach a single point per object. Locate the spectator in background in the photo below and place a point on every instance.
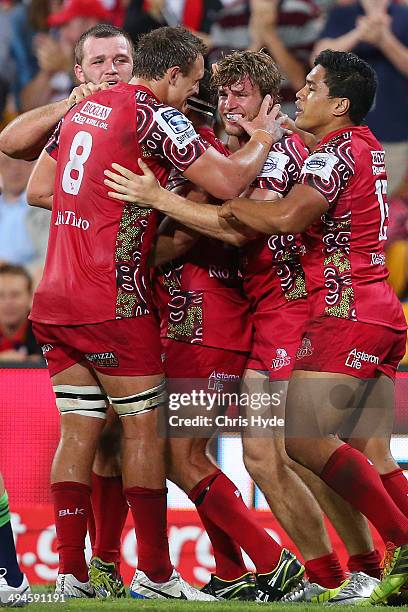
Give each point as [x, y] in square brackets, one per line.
[54, 79]
[288, 30]
[197, 15]
[23, 230]
[17, 342]
[377, 31]
[6, 60]
[230, 30]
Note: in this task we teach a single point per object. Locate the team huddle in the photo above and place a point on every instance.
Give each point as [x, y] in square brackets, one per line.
[173, 256]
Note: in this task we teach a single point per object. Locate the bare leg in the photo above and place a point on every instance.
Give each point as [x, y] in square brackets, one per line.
[288, 497]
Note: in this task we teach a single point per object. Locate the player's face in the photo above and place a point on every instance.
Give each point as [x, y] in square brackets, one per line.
[185, 86]
[106, 60]
[314, 106]
[242, 99]
[15, 299]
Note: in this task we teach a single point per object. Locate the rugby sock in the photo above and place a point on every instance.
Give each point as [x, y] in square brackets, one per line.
[369, 563]
[325, 570]
[149, 510]
[228, 557]
[91, 527]
[217, 498]
[8, 558]
[397, 487]
[351, 475]
[110, 510]
[71, 510]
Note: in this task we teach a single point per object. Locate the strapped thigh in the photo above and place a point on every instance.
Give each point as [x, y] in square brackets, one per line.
[88, 401]
[140, 402]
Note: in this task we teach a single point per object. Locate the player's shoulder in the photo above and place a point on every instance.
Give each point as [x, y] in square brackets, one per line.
[290, 148]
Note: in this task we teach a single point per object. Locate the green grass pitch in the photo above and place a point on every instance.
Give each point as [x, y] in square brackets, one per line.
[128, 604]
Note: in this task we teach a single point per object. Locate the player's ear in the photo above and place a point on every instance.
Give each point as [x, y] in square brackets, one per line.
[173, 74]
[79, 73]
[342, 107]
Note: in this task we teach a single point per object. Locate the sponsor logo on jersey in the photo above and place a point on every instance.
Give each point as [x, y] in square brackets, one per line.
[68, 217]
[81, 120]
[320, 164]
[377, 259]
[177, 127]
[46, 347]
[220, 273]
[281, 360]
[216, 380]
[274, 166]
[378, 160]
[355, 359]
[103, 360]
[305, 349]
[97, 111]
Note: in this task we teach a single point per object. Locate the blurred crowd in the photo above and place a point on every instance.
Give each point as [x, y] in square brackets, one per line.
[37, 39]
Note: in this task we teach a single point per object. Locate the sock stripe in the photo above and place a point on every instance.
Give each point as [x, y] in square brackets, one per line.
[4, 509]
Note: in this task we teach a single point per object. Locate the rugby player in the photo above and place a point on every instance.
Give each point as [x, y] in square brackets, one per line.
[356, 334]
[273, 280]
[206, 334]
[103, 55]
[77, 314]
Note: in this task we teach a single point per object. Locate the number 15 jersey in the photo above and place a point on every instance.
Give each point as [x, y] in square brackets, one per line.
[344, 263]
[97, 259]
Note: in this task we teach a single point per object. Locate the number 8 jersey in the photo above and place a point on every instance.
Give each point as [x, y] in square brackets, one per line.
[96, 266]
[344, 262]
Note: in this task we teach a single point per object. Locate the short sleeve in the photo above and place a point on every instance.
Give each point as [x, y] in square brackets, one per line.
[53, 144]
[329, 170]
[171, 135]
[283, 166]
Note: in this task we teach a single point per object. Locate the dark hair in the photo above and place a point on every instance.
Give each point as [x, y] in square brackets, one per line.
[102, 30]
[259, 67]
[348, 76]
[205, 102]
[164, 48]
[15, 270]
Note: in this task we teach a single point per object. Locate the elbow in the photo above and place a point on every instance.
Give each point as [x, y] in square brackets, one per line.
[237, 240]
[225, 192]
[7, 146]
[34, 198]
[291, 223]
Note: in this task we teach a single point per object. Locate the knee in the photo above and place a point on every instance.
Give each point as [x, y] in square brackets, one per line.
[264, 462]
[295, 451]
[189, 467]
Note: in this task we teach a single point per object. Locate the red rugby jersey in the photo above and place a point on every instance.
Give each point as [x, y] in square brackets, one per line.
[344, 263]
[96, 266]
[273, 274]
[199, 297]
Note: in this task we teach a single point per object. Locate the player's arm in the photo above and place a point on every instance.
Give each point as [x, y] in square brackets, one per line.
[201, 217]
[40, 186]
[173, 240]
[294, 213]
[26, 136]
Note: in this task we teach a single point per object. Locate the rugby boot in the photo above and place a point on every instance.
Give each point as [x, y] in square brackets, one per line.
[286, 575]
[243, 588]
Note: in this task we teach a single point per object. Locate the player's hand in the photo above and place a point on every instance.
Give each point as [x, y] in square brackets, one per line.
[267, 119]
[83, 91]
[225, 211]
[127, 186]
